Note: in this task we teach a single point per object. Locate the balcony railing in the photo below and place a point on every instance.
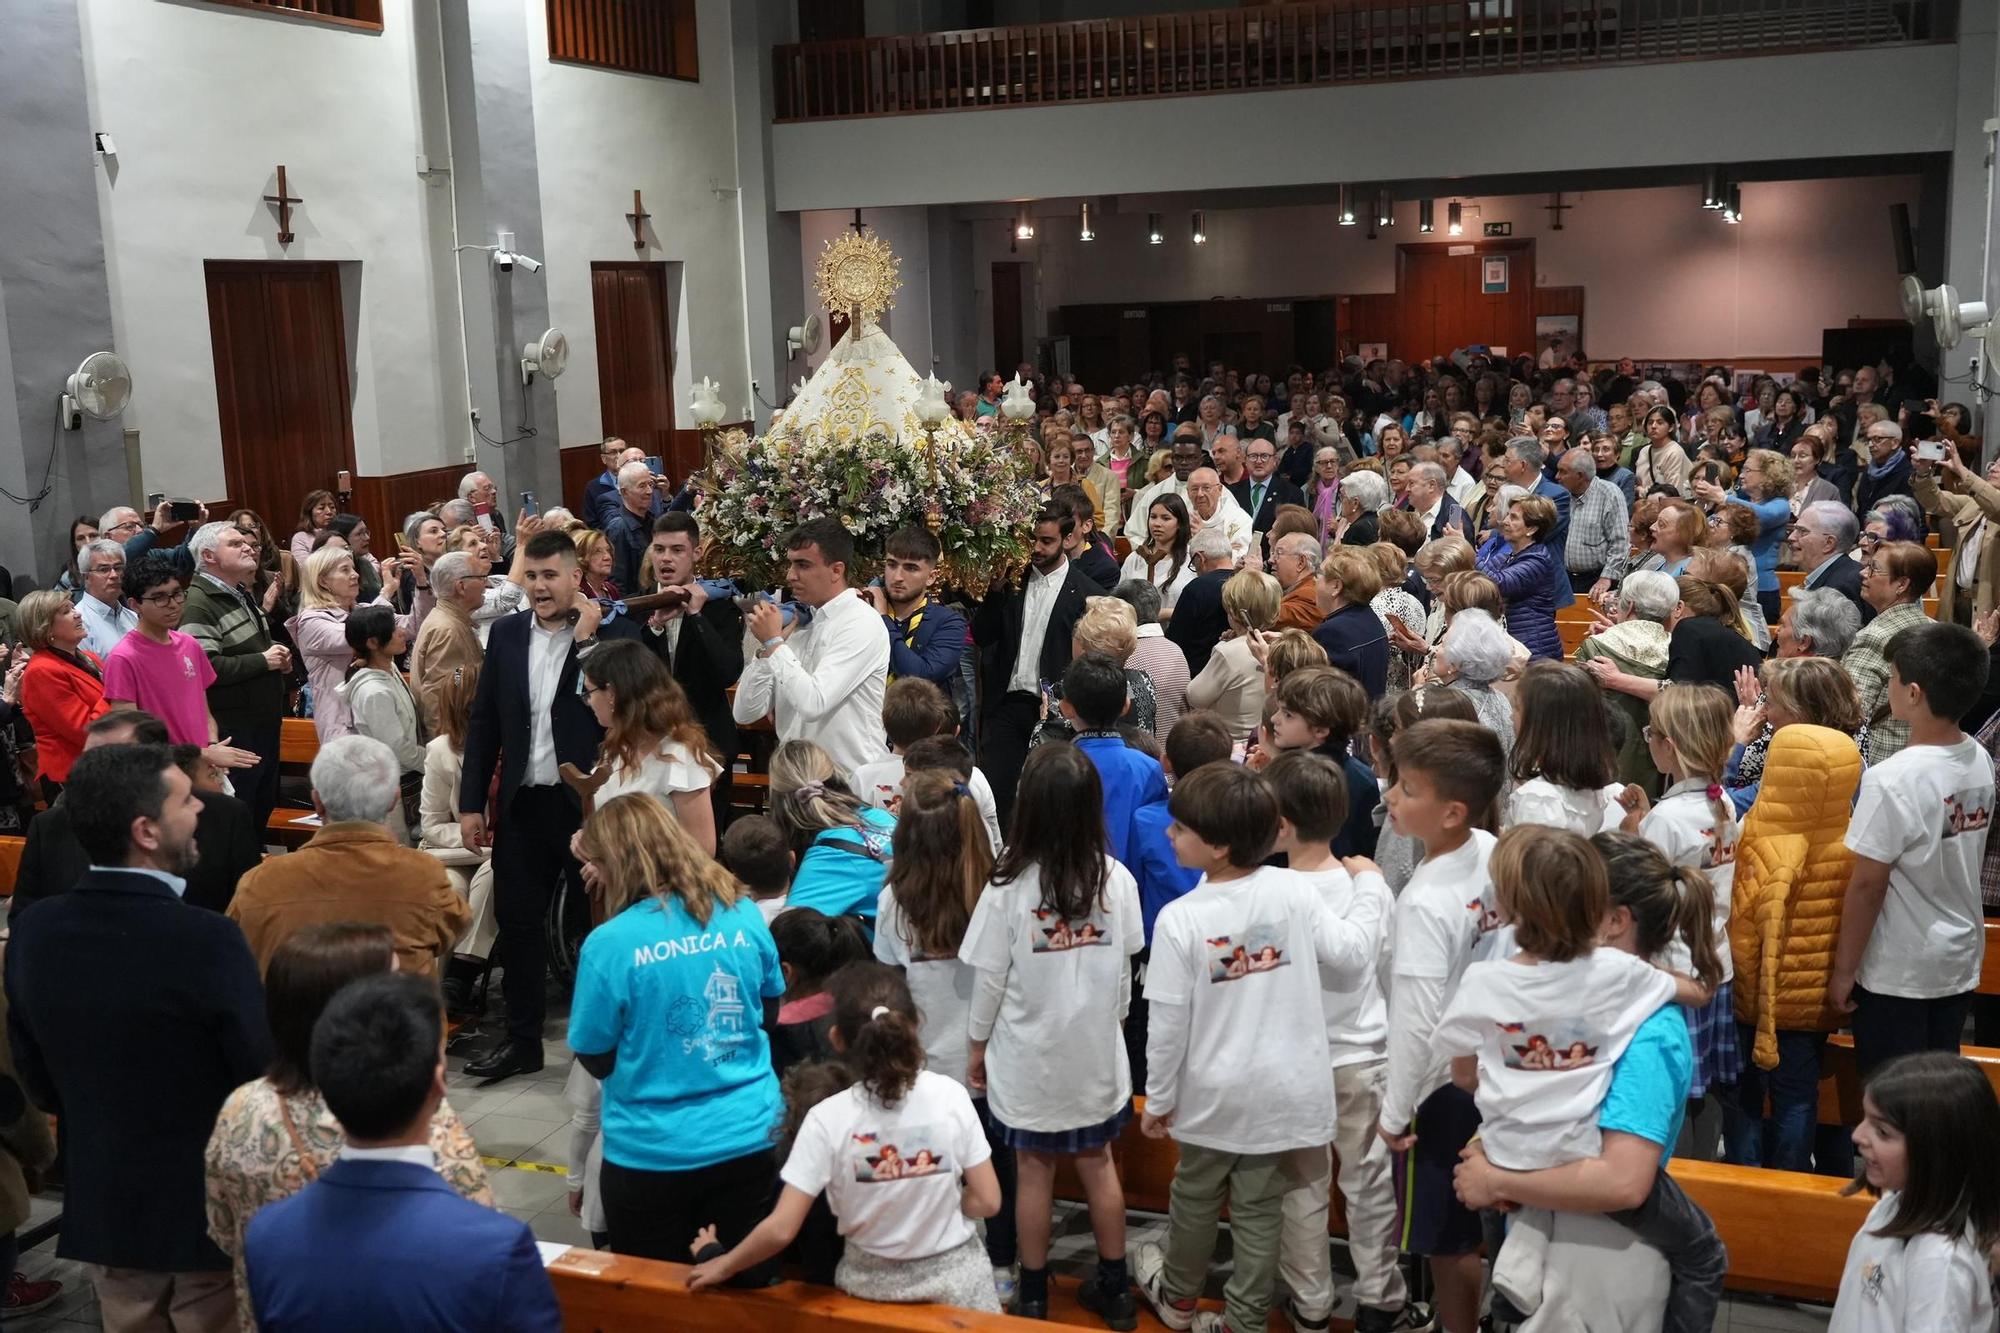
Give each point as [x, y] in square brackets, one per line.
[1312, 45]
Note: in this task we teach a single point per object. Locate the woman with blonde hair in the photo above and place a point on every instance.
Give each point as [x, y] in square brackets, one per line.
[1110, 626]
[61, 689]
[329, 590]
[1764, 488]
[842, 845]
[649, 1017]
[594, 561]
[1396, 607]
[652, 742]
[1231, 685]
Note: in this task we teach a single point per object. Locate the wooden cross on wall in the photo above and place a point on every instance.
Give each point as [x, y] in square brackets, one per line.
[1557, 208]
[858, 225]
[284, 200]
[637, 217]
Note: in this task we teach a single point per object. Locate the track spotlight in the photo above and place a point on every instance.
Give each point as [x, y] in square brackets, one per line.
[1712, 194]
[1732, 206]
[1455, 219]
[1426, 217]
[1084, 233]
[1345, 212]
[1024, 226]
[1154, 236]
[1385, 209]
[1200, 232]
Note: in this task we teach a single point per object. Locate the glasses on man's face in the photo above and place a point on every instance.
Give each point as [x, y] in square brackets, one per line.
[174, 598]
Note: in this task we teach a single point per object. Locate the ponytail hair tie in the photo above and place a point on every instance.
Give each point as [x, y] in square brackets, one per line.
[1714, 791]
[807, 791]
[877, 1012]
[960, 789]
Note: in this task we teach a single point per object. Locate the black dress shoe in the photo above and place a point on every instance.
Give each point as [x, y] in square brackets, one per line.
[505, 1062]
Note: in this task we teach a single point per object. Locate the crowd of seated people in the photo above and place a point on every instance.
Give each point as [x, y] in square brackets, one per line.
[1641, 727]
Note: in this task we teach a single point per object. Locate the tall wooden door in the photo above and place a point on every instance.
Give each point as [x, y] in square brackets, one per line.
[1008, 336]
[281, 382]
[1444, 299]
[635, 361]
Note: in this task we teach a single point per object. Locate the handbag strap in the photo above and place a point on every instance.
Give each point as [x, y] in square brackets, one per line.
[306, 1161]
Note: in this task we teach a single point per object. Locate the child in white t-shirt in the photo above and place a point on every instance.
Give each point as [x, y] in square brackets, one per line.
[1912, 936]
[1929, 1122]
[1449, 776]
[899, 1155]
[755, 851]
[1537, 1034]
[1237, 1064]
[915, 713]
[1312, 801]
[1563, 763]
[941, 867]
[1052, 939]
[1690, 732]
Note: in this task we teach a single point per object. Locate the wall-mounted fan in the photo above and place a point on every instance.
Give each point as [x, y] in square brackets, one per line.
[803, 337]
[1952, 320]
[99, 390]
[548, 354]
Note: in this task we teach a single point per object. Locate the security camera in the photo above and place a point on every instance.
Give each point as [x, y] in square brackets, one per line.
[528, 262]
[505, 260]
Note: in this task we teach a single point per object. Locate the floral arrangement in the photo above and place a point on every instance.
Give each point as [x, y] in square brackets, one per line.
[978, 496]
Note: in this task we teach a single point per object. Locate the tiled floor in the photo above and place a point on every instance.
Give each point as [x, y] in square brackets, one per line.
[525, 1121]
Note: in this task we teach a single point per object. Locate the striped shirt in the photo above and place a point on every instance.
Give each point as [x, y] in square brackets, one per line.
[1599, 534]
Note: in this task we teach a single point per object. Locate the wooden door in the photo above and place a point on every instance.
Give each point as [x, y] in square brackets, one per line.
[281, 382]
[1442, 301]
[1008, 338]
[635, 371]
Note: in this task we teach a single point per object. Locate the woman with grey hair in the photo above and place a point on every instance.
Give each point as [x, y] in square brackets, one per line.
[1363, 494]
[1635, 639]
[1475, 653]
[1818, 622]
[1158, 656]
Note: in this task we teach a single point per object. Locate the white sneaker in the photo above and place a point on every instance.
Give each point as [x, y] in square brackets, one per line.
[1208, 1321]
[1149, 1267]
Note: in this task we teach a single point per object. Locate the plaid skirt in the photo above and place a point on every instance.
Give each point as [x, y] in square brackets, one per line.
[1068, 1142]
[1717, 1057]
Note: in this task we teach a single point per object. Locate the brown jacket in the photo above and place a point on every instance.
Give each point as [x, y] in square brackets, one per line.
[353, 871]
[1300, 609]
[1964, 510]
[446, 643]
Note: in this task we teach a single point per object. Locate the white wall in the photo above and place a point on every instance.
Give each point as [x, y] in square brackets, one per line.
[599, 135]
[1662, 278]
[1754, 109]
[202, 103]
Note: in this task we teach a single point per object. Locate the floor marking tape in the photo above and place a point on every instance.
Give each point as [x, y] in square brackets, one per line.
[524, 1166]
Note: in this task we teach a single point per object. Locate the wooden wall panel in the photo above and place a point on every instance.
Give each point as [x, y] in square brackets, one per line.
[281, 381]
[386, 501]
[1441, 304]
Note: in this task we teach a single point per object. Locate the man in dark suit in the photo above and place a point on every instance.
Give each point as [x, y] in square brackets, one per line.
[528, 720]
[1199, 621]
[702, 642]
[131, 1019]
[226, 832]
[600, 493]
[1427, 498]
[1023, 633]
[1822, 536]
[1263, 489]
[380, 1241]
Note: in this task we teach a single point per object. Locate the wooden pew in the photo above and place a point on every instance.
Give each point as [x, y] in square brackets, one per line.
[10, 863]
[1840, 1078]
[298, 743]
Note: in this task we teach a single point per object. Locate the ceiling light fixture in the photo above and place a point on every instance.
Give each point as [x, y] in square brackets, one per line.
[1712, 195]
[1084, 233]
[1345, 208]
[1024, 226]
[1154, 236]
[1454, 219]
[1732, 206]
[1426, 216]
[1200, 232]
[1385, 208]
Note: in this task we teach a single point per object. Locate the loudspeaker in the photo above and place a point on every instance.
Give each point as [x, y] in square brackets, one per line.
[1905, 241]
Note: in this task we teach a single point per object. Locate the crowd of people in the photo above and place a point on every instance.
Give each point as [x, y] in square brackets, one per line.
[1594, 741]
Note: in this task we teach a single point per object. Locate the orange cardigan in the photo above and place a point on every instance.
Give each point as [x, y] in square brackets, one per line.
[59, 699]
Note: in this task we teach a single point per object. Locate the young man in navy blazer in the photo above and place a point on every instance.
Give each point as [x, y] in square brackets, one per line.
[528, 720]
[379, 1241]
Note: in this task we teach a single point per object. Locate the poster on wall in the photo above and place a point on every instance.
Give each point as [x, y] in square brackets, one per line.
[1374, 352]
[1493, 275]
[1558, 337]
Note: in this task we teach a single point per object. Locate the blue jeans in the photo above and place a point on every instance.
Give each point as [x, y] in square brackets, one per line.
[1785, 1141]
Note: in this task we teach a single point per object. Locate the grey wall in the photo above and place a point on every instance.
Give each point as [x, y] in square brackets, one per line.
[55, 305]
[1639, 115]
[773, 283]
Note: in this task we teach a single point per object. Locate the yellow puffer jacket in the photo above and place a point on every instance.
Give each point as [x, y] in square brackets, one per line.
[1791, 878]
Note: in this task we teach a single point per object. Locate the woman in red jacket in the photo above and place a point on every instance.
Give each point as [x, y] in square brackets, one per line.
[62, 691]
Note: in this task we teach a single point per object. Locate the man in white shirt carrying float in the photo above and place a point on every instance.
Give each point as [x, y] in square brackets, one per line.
[821, 678]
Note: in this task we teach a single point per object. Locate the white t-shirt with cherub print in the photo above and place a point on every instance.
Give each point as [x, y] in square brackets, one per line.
[891, 1173]
[1050, 1001]
[1240, 963]
[1925, 812]
[1685, 829]
[1546, 1035]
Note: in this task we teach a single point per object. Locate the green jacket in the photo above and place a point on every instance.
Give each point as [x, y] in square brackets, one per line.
[246, 694]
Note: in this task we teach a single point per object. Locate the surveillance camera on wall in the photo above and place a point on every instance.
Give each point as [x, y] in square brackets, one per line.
[505, 260]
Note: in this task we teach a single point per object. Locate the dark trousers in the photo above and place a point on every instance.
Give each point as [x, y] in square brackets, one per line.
[1001, 1250]
[530, 857]
[1675, 1225]
[258, 784]
[655, 1214]
[1784, 1142]
[1004, 729]
[1772, 606]
[1582, 580]
[1886, 1026]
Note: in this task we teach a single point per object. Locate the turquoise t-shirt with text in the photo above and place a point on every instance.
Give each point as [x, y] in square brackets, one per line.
[682, 1003]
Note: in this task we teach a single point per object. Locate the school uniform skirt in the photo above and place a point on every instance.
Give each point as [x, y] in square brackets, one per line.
[1068, 1142]
[960, 1276]
[1717, 1057]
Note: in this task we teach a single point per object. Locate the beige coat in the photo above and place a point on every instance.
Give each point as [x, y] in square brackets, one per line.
[447, 642]
[1963, 514]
